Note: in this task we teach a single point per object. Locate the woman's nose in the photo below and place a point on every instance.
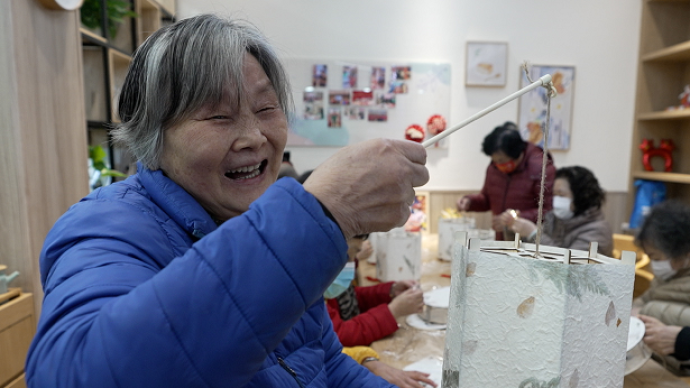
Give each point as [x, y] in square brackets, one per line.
[250, 135]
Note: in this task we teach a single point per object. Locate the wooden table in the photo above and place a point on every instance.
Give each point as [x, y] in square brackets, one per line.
[409, 345]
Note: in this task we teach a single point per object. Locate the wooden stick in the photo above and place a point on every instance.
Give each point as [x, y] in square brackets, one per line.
[543, 81]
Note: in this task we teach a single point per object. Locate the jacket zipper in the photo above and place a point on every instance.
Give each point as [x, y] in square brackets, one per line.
[503, 205]
[505, 193]
[290, 371]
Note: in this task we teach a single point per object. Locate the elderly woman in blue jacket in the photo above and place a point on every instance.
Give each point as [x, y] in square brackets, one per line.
[200, 270]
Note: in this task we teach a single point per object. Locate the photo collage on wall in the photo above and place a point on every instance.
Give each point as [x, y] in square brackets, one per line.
[354, 102]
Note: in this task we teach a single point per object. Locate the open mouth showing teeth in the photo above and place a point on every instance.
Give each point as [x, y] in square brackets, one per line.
[247, 172]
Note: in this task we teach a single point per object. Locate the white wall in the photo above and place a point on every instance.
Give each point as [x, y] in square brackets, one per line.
[599, 37]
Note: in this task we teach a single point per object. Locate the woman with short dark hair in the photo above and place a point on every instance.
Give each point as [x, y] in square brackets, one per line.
[513, 178]
[576, 218]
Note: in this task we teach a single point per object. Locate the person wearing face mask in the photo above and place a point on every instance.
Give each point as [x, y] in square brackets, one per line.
[665, 306]
[576, 218]
[513, 179]
[362, 315]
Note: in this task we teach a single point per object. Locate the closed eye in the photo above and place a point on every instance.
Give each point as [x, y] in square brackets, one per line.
[266, 109]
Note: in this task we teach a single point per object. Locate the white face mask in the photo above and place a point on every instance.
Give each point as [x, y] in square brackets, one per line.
[561, 207]
[662, 269]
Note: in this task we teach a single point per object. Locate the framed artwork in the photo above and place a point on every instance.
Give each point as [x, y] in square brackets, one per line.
[486, 63]
[420, 213]
[532, 107]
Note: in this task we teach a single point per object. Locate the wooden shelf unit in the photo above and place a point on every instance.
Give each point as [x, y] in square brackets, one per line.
[663, 71]
[17, 329]
[106, 61]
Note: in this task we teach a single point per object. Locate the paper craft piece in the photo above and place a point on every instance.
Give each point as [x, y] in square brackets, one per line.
[446, 230]
[416, 321]
[518, 321]
[431, 365]
[436, 305]
[399, 255]
[637, 353]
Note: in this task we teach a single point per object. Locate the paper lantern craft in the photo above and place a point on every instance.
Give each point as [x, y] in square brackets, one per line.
[446, 230]
[399, 255]
[560, 320]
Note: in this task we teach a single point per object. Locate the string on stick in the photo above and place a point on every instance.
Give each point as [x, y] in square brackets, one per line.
[551, 92]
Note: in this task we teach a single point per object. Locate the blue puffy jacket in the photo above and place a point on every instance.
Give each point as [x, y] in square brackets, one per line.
[143, 289]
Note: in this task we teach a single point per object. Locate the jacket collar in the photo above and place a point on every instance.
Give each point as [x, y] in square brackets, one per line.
[590, 215]
[176, 202]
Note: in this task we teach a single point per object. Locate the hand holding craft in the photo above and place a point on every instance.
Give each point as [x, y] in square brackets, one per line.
[659, 337]
[525, 228]
[399, 287]
[411, 301]
[463, 204]
[367, 197]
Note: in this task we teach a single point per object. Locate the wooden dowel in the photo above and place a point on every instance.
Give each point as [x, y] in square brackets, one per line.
[543, 81]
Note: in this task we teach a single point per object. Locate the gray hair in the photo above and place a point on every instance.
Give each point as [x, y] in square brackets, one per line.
[181, 68]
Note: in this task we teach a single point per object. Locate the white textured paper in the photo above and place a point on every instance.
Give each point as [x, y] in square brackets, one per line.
[521, 322]
[399, 256]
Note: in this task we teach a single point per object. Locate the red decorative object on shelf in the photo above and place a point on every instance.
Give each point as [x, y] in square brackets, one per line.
[415, 132]
[435, 125]
[664, 150]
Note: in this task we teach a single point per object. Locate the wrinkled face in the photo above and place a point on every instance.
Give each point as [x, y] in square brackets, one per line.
[227, 156]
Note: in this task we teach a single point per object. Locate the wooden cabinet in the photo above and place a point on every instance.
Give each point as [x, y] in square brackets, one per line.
[17, 329]
[107, 50]
[663, 71]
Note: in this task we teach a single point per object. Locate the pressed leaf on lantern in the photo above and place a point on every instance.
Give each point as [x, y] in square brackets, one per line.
[610, 314]
[526, 308]
[469, 346]
[471, 269]
[574, 379]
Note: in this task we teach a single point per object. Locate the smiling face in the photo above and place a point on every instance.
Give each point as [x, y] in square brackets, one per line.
[226, 156]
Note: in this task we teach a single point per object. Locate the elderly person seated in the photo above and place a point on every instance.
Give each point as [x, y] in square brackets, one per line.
[665, 306]
[201, 270]
[513, 179]
[576, 218]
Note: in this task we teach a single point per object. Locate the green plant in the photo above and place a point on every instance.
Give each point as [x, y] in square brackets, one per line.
[117, 11]
[97, 155]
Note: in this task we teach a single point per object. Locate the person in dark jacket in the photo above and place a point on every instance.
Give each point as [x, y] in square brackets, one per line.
[513, 179]
[201, 270]
[576, 218]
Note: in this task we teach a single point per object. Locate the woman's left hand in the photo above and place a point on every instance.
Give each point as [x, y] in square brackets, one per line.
[397, 377]
[659, 337]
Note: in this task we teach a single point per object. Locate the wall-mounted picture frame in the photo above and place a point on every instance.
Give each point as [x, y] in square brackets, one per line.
[533, 105]
[420, 213]
[486, 64]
